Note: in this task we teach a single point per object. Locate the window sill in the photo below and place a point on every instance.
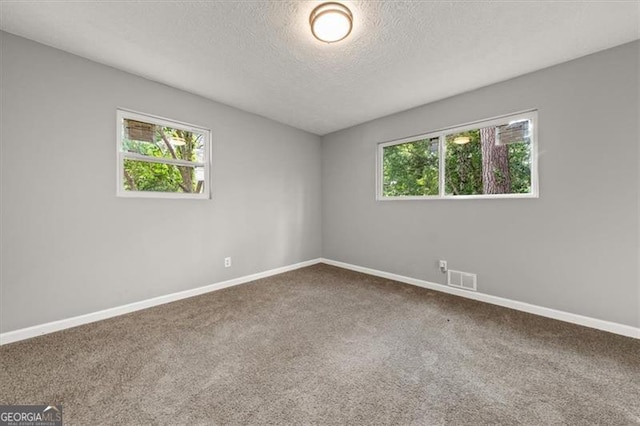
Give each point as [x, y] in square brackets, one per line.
[459, 197]
[167, 195]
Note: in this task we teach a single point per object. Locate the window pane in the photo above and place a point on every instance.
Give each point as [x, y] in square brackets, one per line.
[161, 141]
[411, 169]
[159, 177]
[489, 160]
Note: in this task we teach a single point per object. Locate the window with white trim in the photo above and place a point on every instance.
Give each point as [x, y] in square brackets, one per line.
[162, 158]
[494, 158]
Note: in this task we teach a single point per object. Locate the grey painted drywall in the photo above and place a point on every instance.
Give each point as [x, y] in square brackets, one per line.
[638, 174]
[574, 249]
[71, 247]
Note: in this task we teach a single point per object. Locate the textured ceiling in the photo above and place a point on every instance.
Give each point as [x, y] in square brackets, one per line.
[261, 57]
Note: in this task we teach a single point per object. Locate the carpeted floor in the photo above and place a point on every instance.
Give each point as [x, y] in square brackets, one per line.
[322, 345]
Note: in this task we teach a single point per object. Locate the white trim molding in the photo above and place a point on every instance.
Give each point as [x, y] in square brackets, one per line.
[612, 327]
[51, 327]
[63, 324]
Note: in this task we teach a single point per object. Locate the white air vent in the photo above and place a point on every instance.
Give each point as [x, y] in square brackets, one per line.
[463, 280]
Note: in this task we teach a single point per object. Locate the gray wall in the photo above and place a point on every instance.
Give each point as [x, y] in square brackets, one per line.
[70, 247]
[574, 249]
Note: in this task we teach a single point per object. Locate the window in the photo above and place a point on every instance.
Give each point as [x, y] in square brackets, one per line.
[161, 158]
[493, 158]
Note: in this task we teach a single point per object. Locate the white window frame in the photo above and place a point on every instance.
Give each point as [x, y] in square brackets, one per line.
[441, 135]
[123, 114]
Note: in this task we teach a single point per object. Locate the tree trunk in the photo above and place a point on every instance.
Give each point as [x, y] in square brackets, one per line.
[130, 181]
[495, 164]
[187, 172]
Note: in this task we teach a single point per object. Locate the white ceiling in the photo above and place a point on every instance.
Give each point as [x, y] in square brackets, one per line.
[261, 57]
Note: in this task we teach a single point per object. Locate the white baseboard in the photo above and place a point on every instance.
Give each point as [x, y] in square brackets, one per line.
[599, 324]
[38, 330]
[50, 327]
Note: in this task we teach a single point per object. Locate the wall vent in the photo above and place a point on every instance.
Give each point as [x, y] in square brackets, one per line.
[461, 279]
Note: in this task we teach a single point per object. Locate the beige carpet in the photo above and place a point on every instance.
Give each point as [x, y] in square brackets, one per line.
[323, 345]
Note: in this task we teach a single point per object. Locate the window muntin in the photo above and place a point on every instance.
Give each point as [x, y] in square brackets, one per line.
[161, 158]
[493, 158]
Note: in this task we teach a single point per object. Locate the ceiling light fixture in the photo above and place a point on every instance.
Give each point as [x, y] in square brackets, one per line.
[178, 141]
[461, 140]
[331, 22]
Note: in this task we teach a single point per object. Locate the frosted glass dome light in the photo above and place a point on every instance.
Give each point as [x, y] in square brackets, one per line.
[331, 22]
[461, 140]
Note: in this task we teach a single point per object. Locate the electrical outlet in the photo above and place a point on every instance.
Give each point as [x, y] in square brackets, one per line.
[227, 262]
[443, 266]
